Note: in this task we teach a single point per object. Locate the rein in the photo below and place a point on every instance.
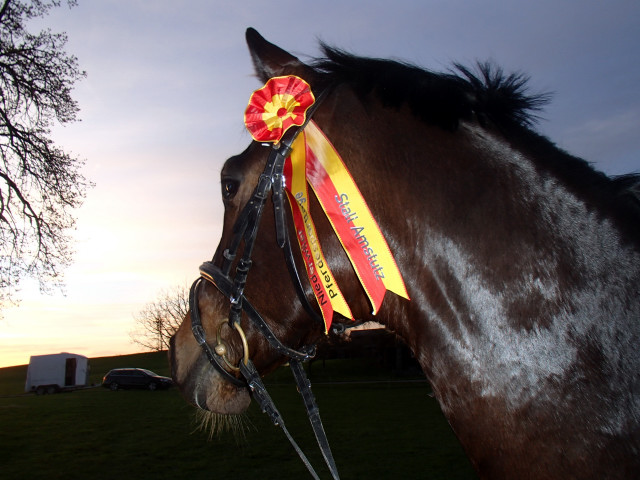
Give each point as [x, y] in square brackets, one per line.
[245, 232]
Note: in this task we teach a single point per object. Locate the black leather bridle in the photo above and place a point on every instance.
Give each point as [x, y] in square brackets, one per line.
[245, 232]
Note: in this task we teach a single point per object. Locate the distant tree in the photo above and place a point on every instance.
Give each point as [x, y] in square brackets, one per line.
[159, 320]
[40, 184]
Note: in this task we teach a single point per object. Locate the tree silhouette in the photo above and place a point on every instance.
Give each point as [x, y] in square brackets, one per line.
[159, 320]
[40, 184]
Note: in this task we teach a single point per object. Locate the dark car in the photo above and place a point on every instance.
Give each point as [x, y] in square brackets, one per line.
[135, 378]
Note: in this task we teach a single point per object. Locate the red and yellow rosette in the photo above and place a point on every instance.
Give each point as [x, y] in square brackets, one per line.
[276, 107]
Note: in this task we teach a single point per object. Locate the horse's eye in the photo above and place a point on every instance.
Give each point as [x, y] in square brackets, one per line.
[229, 188]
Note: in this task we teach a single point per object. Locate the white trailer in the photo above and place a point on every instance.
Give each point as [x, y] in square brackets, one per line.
[56, 372]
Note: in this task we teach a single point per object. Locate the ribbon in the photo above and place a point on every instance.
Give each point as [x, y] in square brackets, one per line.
[323, 283]
[272, 109]
[351, 219]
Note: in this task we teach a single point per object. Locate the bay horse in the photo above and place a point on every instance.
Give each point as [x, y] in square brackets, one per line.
[522, 264]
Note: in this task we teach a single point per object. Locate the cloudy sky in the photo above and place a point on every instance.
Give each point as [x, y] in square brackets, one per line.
[161, 109]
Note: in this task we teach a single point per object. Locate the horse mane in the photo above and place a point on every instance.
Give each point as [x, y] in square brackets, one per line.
[441, 99]
[504, 101]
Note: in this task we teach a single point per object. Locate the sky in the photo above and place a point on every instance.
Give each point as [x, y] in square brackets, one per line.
[161, 110]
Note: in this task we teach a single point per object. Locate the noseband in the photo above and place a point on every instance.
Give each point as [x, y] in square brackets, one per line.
[245, 231]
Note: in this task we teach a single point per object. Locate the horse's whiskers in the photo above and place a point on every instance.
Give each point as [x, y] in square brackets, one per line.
[216, 424]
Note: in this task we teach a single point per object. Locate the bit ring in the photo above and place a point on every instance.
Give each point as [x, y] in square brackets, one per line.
[222, 350]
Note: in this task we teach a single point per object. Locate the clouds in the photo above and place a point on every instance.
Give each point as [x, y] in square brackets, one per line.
[614, 136]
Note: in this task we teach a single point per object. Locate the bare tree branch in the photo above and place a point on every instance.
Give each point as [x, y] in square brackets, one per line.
[40, 184]
[158, 320]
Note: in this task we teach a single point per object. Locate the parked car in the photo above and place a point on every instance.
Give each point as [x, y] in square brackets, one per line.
[135, 378]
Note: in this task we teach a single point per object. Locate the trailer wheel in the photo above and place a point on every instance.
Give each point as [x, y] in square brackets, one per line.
[40, 391]
[51, 390]
[113, 386]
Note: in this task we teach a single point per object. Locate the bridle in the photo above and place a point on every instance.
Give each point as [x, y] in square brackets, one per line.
[245, 231]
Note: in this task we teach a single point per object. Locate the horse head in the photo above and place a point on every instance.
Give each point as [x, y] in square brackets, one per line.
[269, 287]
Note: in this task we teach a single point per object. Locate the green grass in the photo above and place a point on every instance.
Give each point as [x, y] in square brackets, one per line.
[376, 430]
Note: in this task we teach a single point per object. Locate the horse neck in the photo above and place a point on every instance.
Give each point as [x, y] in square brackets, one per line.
[512, 275]
[491, 245]
[491, 236]
[479, 230]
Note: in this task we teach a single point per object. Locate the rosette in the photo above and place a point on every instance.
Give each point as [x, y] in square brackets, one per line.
[274, 108]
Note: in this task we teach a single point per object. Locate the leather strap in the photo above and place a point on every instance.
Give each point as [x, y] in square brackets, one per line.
[262, 397]
[304, 387]
[200, 336]
[212, 273]
[245, 231]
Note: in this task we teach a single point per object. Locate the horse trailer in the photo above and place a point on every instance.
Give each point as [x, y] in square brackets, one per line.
[57, 372]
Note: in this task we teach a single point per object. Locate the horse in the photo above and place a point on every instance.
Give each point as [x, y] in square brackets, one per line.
[521, 262]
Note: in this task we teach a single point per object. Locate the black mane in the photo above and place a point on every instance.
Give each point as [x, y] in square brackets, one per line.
[445, 99]
[441, 99]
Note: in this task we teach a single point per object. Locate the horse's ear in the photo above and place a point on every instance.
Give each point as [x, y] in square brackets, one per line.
[270, 60]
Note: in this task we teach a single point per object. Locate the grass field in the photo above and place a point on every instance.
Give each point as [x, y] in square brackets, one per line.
[381, 430]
